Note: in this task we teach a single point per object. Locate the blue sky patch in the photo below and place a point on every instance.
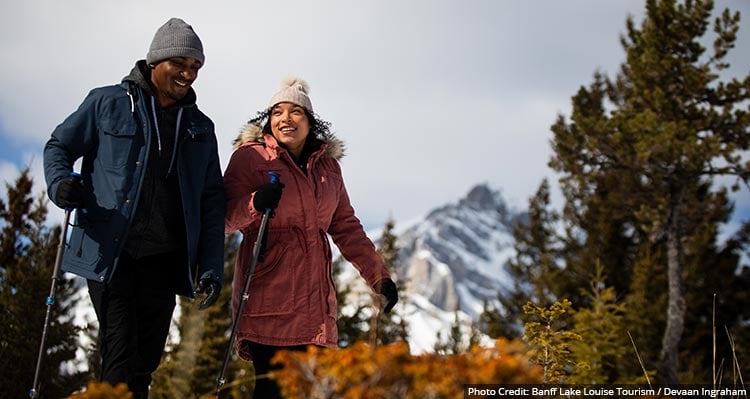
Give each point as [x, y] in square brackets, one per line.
[13, 151]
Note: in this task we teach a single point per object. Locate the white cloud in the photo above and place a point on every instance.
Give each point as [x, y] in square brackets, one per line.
[431, 96]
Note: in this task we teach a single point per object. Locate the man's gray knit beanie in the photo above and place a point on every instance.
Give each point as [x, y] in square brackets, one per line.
[175, 39]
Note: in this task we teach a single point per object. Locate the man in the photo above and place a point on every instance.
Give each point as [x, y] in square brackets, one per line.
[150, 202]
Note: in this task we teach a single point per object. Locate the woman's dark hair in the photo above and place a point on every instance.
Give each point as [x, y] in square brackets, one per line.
[319, 128]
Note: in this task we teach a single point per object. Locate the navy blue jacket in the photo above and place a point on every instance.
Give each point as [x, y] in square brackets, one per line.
[111, 131]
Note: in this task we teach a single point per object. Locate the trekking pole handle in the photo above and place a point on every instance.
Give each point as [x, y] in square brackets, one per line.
[76, 176]
[274, 179]
[274, 176]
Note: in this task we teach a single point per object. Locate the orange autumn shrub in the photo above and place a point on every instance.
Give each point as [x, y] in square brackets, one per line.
[361, 372]
[103, 390]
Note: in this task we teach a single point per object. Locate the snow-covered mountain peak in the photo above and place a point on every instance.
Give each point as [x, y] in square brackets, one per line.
[482, 197]
[450, 262]
[455, 257]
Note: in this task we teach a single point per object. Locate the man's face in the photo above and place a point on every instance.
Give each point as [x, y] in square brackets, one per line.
[172, 78]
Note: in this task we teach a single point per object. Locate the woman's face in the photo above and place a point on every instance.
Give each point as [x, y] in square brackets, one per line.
[290, 126]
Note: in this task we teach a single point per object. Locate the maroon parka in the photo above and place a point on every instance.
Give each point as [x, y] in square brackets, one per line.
[292, 300]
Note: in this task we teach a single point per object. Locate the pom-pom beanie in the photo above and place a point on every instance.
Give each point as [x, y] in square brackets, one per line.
[293, 90]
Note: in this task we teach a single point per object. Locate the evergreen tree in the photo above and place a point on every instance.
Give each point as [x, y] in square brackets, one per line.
[351, 327]
[494, 324]
[640, 154]
[550, 338]
[27, 256]
[645, 303]
[455, 343]
[603, 342]
[534, 270]
[536, 246]
[392, 327]
[363, 320]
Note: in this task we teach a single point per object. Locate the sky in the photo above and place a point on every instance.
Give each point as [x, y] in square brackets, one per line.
[431, 97]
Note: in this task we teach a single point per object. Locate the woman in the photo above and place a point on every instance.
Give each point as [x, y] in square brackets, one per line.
[292, 300]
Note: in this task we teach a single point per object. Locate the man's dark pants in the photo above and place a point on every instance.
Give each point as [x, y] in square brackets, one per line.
[135, 311]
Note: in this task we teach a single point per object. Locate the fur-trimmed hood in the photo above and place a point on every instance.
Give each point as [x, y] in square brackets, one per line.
[253, 133]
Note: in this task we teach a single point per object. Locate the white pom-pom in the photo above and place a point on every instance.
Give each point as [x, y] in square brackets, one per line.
[295, 81]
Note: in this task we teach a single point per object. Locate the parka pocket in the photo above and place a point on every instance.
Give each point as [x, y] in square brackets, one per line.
[82, 254]
[117, 144]
[273, 290]
[328, 194]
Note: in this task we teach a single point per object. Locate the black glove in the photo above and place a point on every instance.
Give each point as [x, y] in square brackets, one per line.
[209, 287]
[388, 289]
[70, 192]
[267, 196]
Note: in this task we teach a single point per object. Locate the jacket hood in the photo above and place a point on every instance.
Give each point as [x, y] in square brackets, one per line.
[253, 133]
[141, 76]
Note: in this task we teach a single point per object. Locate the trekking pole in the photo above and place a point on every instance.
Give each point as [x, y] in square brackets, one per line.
[256, 253]
[34, 392]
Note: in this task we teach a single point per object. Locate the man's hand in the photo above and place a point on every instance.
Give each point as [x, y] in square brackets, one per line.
[70, 192]
[211, 289]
